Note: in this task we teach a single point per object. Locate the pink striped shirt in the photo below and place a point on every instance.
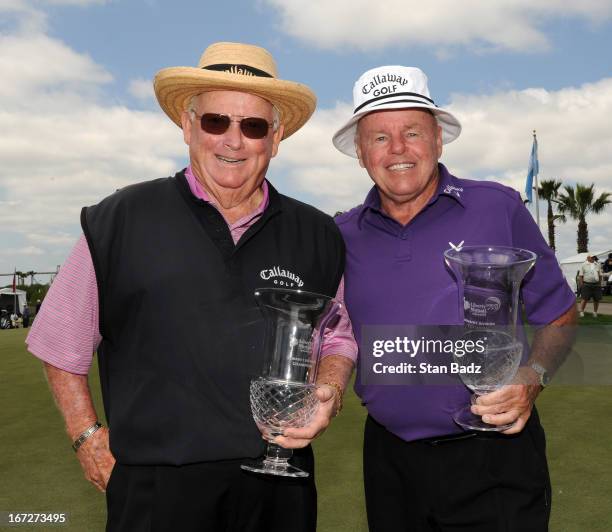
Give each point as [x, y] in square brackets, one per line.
[65, 333]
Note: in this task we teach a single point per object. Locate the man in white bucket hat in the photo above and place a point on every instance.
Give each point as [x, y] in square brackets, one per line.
[421, 470]
[176, 385]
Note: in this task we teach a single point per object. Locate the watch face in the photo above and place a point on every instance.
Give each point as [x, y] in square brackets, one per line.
[545, 378]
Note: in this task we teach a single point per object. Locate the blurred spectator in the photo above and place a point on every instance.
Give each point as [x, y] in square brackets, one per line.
[25, 315]
[590, 280]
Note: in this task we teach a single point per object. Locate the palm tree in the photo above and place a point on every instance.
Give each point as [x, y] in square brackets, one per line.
[549, 190]
[20, 278]
[579, 202]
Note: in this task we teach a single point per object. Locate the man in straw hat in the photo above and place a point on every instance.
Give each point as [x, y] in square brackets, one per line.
[421, 470]
[176, 385]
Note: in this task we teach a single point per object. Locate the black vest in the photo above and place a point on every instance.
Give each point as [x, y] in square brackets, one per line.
[182, 334]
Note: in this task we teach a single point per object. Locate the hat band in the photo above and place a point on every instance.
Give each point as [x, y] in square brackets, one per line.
[387, 96]
[405, 101]
[244, 70]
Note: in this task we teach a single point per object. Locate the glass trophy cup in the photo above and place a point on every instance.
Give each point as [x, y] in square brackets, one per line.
[284, 395]
[489, 280]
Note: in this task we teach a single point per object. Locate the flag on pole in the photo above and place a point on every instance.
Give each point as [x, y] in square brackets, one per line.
[533, 170]
[14, 281]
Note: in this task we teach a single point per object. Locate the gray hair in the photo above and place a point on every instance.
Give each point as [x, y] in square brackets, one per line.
[191, 109]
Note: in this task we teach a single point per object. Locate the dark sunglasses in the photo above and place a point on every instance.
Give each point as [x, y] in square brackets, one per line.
[252, 127]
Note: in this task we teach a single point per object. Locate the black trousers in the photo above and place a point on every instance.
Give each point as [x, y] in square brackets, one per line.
[484, 483]
[211, 497]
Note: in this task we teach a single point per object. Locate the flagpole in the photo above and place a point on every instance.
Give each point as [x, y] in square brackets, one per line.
[535, 181]
[15, 291]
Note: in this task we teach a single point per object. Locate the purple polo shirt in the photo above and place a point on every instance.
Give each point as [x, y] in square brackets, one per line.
[395, 275]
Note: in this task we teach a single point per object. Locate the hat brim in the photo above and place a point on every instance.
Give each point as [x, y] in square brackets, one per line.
[175, 86]
[344, 139]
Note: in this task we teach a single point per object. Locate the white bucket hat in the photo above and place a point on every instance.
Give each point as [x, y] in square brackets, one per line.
[392, 87]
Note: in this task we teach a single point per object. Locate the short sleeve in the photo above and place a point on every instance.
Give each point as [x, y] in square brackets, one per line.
[65, 332]
[339, 340]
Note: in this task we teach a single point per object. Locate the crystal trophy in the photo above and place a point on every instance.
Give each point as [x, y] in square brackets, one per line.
[489, 279]
[284, 395]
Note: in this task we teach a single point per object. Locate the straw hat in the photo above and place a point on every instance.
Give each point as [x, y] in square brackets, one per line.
[237, 67]
[392, 87]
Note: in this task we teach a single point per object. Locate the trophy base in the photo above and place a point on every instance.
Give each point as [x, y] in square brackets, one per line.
[468, 420]
[280, 468]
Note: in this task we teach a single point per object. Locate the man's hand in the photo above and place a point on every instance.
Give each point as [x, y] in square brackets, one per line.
[334, 369]
[71, 394]
[511, 403]
[96, 459]
[326, 409]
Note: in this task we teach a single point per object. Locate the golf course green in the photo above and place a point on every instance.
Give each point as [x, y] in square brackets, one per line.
[39, 472]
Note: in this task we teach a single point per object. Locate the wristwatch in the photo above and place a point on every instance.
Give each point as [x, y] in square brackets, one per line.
[542, 373]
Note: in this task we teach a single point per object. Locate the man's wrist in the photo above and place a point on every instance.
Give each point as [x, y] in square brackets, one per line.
[85, 435]
[541, 374]
[338, 396]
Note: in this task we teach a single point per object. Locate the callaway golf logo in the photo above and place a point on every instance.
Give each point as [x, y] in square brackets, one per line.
[281, 277]
[390, 80]
[450, 189]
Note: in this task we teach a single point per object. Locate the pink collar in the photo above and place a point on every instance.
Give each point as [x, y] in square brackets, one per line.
[198, 191]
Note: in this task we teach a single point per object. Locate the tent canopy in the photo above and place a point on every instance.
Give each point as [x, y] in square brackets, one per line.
[7, 299]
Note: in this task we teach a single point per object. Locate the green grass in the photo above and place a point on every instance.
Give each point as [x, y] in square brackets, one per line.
[38, 469]
[601, 319]
[39, 472]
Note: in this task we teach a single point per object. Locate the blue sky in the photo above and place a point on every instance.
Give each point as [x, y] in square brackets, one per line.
[78, 118]
[135, 39]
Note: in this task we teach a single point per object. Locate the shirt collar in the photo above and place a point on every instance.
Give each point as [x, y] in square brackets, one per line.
[448, 185]
[199, 192]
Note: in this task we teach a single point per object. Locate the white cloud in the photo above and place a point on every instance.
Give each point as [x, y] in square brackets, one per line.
[574, 145]
[35, 65]
[142, 89]
[16, 6]
[21, 17]
[572, 130]
[56, 162]
[59, 238]
[313, 166]
[365, 25]
[27, 251]
[63, 146]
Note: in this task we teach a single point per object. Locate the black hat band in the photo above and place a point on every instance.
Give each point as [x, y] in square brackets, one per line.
[243, 70]
[424, 99]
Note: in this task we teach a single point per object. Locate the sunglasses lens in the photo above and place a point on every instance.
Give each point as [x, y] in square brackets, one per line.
[254, 128]
[215, 124]
[251, 127]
